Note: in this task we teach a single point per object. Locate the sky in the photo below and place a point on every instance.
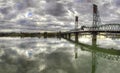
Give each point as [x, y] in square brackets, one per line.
[53, 15]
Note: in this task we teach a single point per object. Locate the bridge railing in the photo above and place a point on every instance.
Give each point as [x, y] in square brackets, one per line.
[105, 27]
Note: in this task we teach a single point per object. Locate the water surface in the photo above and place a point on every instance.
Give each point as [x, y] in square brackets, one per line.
[52, 55]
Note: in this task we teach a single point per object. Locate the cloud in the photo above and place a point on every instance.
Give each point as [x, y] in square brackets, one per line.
[23, 4]
[48, 12]
[55, 9]
[117, 2]
[5, 10]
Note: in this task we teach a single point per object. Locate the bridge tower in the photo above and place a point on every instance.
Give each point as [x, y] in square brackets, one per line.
[96, 23]
[76, 26]
[96, 17]
[76, 22]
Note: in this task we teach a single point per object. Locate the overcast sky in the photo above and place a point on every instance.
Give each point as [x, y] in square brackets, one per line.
[50, 15]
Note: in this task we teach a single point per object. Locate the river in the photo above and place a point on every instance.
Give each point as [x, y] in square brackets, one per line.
[53, 55]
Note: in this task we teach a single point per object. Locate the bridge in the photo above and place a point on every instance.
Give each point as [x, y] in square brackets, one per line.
[96, 28]
[106, 28]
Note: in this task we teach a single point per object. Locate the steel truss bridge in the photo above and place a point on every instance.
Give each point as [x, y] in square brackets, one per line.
[97, 26]
[106, 28]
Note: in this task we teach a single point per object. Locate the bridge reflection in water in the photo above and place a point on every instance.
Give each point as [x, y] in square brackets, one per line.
[53, 55]
[97, 52]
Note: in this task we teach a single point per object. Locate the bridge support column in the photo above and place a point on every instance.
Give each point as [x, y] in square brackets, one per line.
[69, 35]
[76, 37]
[62, 35]
[45, 34]
[94, 38]
[59, 35]
[65, 35]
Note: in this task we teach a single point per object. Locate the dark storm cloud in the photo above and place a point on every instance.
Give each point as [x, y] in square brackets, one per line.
[65, 19]
[117, 2]
[109, 11]
[23, 4]
[52, 0]
[55, 9]
[84, 9]
[24, 22]
[8, 12]
[10, 16]
[104, 10]
[5, 10]
[53, 24]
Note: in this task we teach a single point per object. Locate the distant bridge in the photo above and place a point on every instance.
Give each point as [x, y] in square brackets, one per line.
[106, 28]
[96, 28]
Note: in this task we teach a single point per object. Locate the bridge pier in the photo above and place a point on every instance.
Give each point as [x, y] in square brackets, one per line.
[59, 35]
[45, 34]
[63, 35]
[94, 38]
[69, 35]
[76, 37]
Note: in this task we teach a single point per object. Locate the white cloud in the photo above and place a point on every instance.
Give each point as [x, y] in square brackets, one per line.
[49, 12]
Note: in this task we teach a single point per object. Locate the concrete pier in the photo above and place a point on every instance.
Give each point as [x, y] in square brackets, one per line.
[76, 37]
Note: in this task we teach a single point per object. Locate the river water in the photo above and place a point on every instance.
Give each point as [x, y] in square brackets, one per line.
[52, 55]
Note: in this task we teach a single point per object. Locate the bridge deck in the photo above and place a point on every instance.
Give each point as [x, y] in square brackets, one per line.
[91, 31]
